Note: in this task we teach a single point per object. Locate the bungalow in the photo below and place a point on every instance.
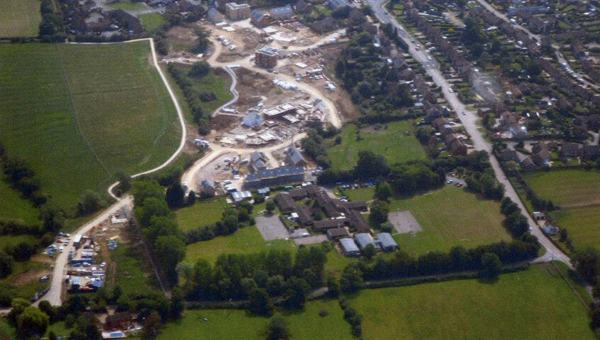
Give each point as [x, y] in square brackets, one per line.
[258, 161]
[507, 155]
[541, 158]
[571, 150]
[117, 321]
[303, 213]
[285, 202]
[337, 233]
[331, 223]
[528, 165]
[294, 157]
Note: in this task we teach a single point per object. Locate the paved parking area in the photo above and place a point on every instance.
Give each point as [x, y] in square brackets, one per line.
[271, 228]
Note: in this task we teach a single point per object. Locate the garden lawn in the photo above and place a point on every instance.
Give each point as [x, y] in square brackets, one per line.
[392, 143]
[201, 214]
[566, 187]
[361, 194]
[74, 112]
[128, 5]
[237, 324]
[14, 207]
[582, 223]
[532, 304]
[152, 21]
[244, 241]
[449, 217]
[19, 18]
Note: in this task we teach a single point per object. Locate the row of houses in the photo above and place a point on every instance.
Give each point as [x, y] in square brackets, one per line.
[453, 144]
[541, 154]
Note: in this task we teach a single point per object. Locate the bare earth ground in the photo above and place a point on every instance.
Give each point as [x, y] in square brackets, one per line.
[271, 228]
[404, 222]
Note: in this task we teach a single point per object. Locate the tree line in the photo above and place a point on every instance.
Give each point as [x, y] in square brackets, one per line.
[193, 97]
[231, 220]
[258, 277]
[51, 29]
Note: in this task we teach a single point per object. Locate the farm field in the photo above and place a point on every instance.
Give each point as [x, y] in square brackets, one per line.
[582, 223]
[449, 217]
[14, 207]
[151, 21]
[74, 112]
[200, 214]
[237, 324]
[391, 143]
[531, 304]
[19, 18]
[566, 187]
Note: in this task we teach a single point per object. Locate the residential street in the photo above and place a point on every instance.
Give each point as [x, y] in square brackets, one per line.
[469, 121]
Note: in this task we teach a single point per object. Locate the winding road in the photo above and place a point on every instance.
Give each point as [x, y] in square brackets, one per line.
[469, 120]
[54, 295]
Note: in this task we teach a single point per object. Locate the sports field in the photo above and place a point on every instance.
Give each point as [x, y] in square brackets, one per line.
[237, 324]
[14, 207]
[80, 113]
[567, 187]
[532, 304]
[201, 214]
[19, 18]
[450, 217]
[393, 143]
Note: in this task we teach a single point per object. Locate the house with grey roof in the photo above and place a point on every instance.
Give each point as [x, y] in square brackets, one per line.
[363, 240]
[336, 4]
[386, 242]
[282, 13]
[349, 247]
[252, 119]
[208, 187]
[258, 161]
[214, 16]
[294, 157]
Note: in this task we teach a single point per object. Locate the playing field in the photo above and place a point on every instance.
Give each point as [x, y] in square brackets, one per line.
[391, 142]
[567, 187]
[152, 21]
[19, 18]
[532, 304]
[80, 113]
[14, 207]
[201, 214]
[237, 324]
[449, 217]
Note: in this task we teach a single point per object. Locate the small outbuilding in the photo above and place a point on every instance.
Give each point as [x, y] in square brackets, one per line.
[363, 240]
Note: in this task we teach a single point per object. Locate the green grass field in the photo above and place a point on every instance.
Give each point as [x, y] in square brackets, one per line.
[128, 5]
[200, 214]
[75, 112]
[23, 290]
[152, 21]
[237, 324]
[7, 332]
[450, 217]
[132, 274]
[582, 223]
[391, 143]
[532, 304]
[19, 18]
[244, 241]
[14, 207]
[360, 194]
[218, 84]
[566, 187]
